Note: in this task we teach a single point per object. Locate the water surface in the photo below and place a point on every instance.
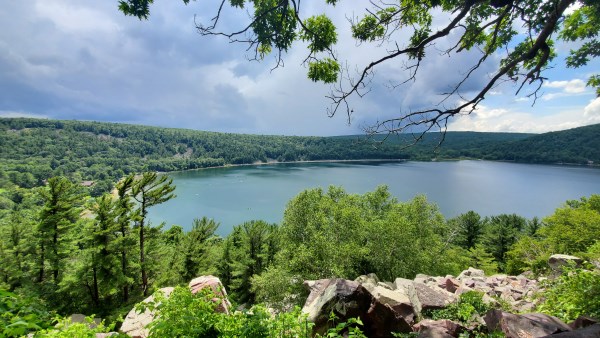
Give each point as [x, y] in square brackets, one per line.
[237, 194]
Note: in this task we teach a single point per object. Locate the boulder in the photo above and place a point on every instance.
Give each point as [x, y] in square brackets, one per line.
[214, 283]
[80, 318]
[556, 262]
[135, 323]
[592, 331]
[449, 284]
[471, 272]
[408, 288]
[431, 299]
[581, 322]
[369, 278]
[349, 299]
[529, 325]
[438, 328]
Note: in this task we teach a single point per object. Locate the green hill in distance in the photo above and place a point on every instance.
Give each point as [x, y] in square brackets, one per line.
[33, 150]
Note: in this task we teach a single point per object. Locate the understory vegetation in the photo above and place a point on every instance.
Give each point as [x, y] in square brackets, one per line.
[66, 252]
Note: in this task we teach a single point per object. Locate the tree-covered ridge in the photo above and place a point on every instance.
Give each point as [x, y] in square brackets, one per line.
[33, 150]
[577, 145]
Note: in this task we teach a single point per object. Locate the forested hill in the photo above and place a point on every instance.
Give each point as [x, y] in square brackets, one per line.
[32, 150]
[577, 146]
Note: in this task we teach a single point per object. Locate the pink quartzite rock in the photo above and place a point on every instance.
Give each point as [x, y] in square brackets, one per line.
[214, 283]
[592, 331]
[135, 323]
[443, 328]
[349, 299]
[529, 325]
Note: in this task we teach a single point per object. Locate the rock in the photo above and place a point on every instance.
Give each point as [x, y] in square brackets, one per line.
[449, 284]
[349, 299]
[581, 322]
[214, 283]
[431, 299]
[107, 334]
[592, 331]
[135, 323]
[557, 261]
[369, 278]
[529, 325]
[80, 318]
[398, 300]
[438, 328]
[471, 272]
[408, 287]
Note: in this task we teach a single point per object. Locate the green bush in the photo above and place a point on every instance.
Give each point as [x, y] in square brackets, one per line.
[184, 314]
[19, 316]
[469, 304]
[574, 293]
[66, 329]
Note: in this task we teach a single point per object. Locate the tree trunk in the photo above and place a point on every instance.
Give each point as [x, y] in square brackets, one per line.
[142, 256]
[42, 261]
[124, 269]
[55, 252]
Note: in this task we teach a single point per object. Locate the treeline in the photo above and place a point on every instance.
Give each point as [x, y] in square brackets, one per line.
[33, 150]
[76, 254]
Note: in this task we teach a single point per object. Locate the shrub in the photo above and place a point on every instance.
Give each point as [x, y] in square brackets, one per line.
[574, 293]
[184, 314]
[19, 315]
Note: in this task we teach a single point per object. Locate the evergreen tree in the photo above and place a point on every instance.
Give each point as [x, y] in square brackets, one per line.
[248, 251]
[501, 233]
[62, 200]
[197, 246]
[468, 229]
[125, 242]
[149, 190]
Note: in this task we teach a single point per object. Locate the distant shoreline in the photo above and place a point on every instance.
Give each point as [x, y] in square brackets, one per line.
[377, 160]
[294, 162]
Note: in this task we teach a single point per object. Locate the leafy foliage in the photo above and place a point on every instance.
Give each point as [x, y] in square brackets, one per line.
[572, 230]
[19, 315]
[184, 314]
[574, 293]
[469, 304]
[336, 234]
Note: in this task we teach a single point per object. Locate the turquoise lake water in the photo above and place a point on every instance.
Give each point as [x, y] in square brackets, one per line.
[236, 194]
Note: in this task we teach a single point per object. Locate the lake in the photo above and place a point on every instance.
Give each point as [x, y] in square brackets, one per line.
[234, 195]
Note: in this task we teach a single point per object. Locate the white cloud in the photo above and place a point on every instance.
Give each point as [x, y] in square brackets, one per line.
[574, 86]
[509, 120]
[13, 114]
[592, 110]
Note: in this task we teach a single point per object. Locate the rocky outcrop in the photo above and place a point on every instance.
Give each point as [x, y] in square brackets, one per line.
[438, 328]
[350, 299]
[528, 325]
[395, 307]
[135, 323]
[214, 284]
[557, 262]
[592, 331]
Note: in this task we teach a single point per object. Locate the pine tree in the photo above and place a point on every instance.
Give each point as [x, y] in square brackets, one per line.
[62, 200]
[149, 190]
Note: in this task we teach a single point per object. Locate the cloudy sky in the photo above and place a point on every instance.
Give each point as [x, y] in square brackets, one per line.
[84, 60]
